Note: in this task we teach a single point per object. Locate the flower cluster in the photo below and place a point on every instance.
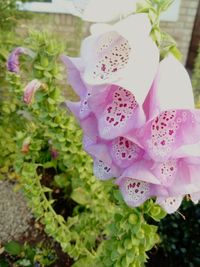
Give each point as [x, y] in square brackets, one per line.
[137, 114]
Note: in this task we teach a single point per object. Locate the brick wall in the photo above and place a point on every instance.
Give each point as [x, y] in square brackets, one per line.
[182, 29]
[67, 27]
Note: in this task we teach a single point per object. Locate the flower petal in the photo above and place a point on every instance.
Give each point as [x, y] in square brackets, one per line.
[171, 89]
[117, 112]
[124, 152]
[195, 197]
[120, 57]
[172, 129]
[103, 166]
[134, 192]
[75, 68]
[30, 90]
[102, 171]
[13, 60]
[165, 172]
[170, 204]
[142, 171]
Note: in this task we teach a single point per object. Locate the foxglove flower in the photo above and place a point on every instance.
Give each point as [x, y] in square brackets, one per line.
[121, 54]
[104, 167]
[30, 90]
[166, 181]
[170, 165]
[134, 128]
[173, 125]
[103, 10]
[13, 60]
[109, 107]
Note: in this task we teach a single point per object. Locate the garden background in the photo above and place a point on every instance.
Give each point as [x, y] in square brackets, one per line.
[42, 158]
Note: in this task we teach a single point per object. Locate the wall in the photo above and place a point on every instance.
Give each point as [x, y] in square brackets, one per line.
[67, 26]
[195, 42]
[182, 29]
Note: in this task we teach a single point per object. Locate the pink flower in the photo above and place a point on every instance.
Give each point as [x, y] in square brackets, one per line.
[137, 116]
[170, 139]
[13, 60]
[110, 107]
[30, 90]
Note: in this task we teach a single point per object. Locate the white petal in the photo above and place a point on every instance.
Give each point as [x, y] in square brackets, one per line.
[134, 27]
[195, 197]
[188, 151]
[174, 89]
[170, 204]
[140, 53]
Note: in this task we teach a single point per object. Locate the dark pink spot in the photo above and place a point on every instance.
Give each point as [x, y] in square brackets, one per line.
[163, 142]
[122, 118]
[127, 144]
[114, 70]
[103, 68]
[131, 185]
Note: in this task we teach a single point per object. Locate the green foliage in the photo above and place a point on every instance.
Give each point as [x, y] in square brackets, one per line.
[196, 77]
[26, 255]
[129, 237]
[8, 109]
[13, 248]
[9, 14]
[164, 41]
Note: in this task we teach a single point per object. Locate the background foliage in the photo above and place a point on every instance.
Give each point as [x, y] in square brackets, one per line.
[196, 77]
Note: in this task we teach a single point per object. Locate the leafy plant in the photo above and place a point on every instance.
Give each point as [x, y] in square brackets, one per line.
[48, 140]
[26, 255]
[9, 14]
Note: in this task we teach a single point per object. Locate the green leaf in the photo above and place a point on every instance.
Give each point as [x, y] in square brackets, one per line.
[3, 263]
[165, 5]
[81, 196]
[13, 248]
[24, 262]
